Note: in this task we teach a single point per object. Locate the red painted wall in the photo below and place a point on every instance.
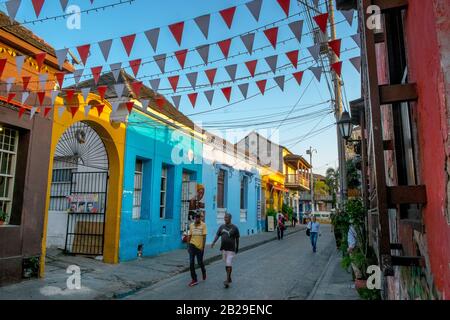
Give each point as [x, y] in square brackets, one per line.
[424, 61]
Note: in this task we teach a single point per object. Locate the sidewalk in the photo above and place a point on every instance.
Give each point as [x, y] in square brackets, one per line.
[106, 281]
[335, 283]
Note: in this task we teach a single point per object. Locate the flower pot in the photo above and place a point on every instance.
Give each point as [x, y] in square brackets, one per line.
[2, 222]
[360, 284]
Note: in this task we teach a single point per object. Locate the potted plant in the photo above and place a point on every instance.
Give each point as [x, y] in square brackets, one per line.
[3, 217]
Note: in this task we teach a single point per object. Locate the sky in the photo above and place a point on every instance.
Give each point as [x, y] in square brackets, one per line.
[298, 118]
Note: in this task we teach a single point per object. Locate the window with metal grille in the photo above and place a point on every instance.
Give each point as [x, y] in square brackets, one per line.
[162, 207]
[9, 139]
[221, 184]
[61, 182]
[244, 188]
[137, 194]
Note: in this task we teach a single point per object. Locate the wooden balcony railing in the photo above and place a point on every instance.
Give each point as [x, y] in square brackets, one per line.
[297, 181]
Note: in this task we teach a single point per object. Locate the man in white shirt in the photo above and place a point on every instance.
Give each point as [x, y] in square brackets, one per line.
[314, 227]
[352, 242]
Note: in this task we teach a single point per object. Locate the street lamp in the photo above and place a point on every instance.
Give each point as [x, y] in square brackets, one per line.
[345, 125]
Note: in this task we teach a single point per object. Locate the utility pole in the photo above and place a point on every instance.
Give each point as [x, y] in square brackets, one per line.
[310, 152]
[338, 111]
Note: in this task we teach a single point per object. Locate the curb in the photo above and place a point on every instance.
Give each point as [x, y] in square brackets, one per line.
[208, 261]
[322, 275]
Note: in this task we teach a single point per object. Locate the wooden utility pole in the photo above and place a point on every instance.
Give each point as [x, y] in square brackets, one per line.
[338, 109]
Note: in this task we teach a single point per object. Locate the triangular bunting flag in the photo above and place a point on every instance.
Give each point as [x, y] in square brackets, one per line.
[262, 85]
[130, 106]
[12, 6]
[176, 101]
[61, 110]
[105, 48]
[115, 69]
[54, 94]
[37, 5]
[19, 64]
[315, 51]
[102, 91]
[47, 111]
[356, 62]
[224, 46]
[203, 51]
[181, 57]
[9, 83]
[43, 80]
[192, 78]
[231, 70]
[297, 29]
[40, 58]
[322, 21]
[285, 4]
[298, 76]
[272, 36]
[136, 86]
[211, 75]
[145, 103]
[21, 112]
[209, 94]
[317, 71]
[64, 4]
[348, 15]
[255, 8]
[73, 111]
[33, 112]
[251, 66]
[70, 93]
[87, 109]
[174, 82]
[135, 66]
[335, 45]
[11, 96]
[248, 40]
[160, 101]
[293, 57]
[2, 66]
[152, 37]
[60, 78]
[85, 92]
[337, 67]
[227, 93]
[244, 89]
[119, 89]
[83, 51]
[272, 62]
[203, 24]
[25, 96]
[115, 106]
[25, 82]
[99, 108]
[177, 31]
[193, 98]
[154, 84]
[128, 42]
[77, 75]
[228, 15]
[161, 62]
[280, 81]
[61, 56]
[96, 71]
[357, 39]
[316, 3]
[41, 97]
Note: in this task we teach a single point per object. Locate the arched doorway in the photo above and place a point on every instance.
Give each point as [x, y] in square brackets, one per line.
[78, 192]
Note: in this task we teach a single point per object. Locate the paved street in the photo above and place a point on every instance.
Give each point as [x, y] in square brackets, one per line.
[277, 270]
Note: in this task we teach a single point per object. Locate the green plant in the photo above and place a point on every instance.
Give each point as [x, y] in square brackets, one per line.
[287, 210]
[271, 213]
[369, 294]
[3, 216]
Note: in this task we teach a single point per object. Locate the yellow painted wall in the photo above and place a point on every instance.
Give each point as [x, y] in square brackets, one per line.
[113, 136]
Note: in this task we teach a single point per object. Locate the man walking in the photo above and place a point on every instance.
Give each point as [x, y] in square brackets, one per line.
[280, 226]
[196, 247]
[313, 227]
[229, 245]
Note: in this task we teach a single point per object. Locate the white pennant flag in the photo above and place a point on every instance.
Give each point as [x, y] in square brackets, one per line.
[61, 56]
[115, 106]
[152, 37]
[209, 96]
[61, 111]
[145, 103]
[244, 89]
[54, 94]
[12, 6]
[33, 112]
[9, 83]
[192, 78]
[272, 62]
[280, 82]
[315, 52]
[85, 92]
[25, 95]
[176, 101]
[77, 75]
[203, 51]
[356, 62]
[317, 71]
[87, 109]
[357, 39]
[43, 80]
[203, 24]
[248, 41]
[19, 64]
[119, 88]
[160, 60]
[115, 69]
[231, 70]
[105, 48]
[154, 84]
[348, 15]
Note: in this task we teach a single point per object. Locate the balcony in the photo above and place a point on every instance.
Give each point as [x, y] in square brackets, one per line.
[296, 181]
[307, 197]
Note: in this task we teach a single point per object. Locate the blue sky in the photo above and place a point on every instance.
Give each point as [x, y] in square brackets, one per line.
[142, 15]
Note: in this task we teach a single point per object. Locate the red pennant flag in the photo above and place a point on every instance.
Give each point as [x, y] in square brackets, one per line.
[100, 108]
[285, 4]
[73, 111]
[251, 66]
[272, 36]
[102, 91]
[70, 93]
[227, 93]
[25, 82]
[322, 21]
[11, 96]
[335, 45]
[135, 66]
[128, 42]
[174, 82]
[337, 67]
[211, 74]
[193, 98]
[130, 106]
[177, 31]
[46, 111]
[22, 111]
[40, 57]
[181, 57]
[137, 86]
[83, 51]
[293, 57]
[96, 71]
[37, 5]
[228, 15]
[60, 78]
[160, 101]
[262, 85]
[225, 47]
[2, 66]
[298, 76]
[41, 97]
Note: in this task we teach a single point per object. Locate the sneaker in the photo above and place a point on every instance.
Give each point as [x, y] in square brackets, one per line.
[226, 284]
[193, 283]
[204, 277]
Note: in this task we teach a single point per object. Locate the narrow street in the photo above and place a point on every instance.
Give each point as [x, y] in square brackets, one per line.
[284, 269]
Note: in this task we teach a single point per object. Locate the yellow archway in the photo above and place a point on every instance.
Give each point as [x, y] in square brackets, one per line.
[113, 137]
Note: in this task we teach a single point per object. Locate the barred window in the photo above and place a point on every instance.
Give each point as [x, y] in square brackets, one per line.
[137, 195]
[9, 139]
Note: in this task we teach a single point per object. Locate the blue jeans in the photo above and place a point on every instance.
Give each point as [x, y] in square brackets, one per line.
[313, 238]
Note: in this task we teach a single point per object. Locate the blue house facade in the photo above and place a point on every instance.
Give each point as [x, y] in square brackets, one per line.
[161, 161]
